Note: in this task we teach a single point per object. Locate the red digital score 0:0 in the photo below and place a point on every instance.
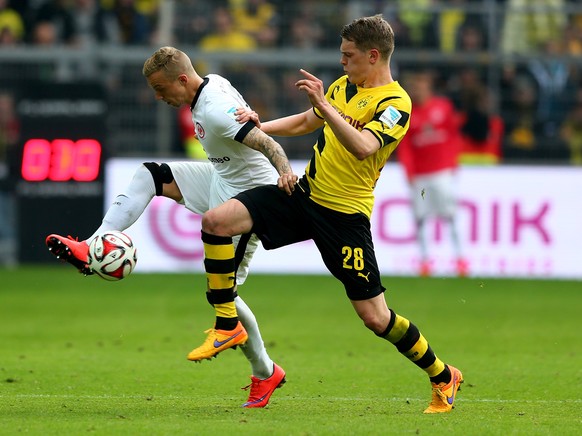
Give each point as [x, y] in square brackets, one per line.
[61, 160]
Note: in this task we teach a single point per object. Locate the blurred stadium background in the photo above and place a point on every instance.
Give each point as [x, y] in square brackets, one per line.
[70, 70]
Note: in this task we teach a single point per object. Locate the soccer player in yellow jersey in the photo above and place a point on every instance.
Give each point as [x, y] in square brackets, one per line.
[364, 115]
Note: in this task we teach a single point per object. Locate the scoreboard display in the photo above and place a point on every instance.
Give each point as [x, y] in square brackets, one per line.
[60, 181]
[61, 160]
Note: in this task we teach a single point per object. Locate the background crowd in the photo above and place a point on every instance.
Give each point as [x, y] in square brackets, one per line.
[525, 107]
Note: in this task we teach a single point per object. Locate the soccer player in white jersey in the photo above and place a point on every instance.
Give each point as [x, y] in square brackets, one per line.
[240, 157]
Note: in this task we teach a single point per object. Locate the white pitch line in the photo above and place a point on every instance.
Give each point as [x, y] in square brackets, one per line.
[293, 398]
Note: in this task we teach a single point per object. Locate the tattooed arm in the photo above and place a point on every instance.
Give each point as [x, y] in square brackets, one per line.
[260, 141]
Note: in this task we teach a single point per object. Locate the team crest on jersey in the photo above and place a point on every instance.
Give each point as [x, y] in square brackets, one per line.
[390, 116]
[363, 102]
[200, 131]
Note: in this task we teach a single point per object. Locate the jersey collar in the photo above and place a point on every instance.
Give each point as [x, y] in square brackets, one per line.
[202, 85]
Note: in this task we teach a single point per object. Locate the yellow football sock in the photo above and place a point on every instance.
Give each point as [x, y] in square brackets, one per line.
[413, 345]
[226, 310]
[220, 273]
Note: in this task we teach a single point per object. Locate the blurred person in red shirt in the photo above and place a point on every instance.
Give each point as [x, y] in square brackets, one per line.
[480, 127]
[429, 154]
[187, 135]
[478, 148]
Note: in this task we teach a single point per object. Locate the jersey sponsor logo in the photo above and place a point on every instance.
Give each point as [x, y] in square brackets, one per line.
[352, 121]
[390, 116]
[231, 112]
[200, 131]
[219, 159]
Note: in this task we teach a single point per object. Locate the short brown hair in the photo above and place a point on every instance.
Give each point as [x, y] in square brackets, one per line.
[173, 61]
[370, 32]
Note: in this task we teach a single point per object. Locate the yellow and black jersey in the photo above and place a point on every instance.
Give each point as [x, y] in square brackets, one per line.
[337, 179]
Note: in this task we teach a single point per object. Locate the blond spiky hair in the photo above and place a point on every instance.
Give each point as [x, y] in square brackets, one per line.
[173, 61]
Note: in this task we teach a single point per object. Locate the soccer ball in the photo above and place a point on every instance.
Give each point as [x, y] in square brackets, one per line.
[112, 255]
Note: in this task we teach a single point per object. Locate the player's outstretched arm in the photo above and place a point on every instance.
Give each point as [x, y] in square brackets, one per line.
[260, 141]
[292, 125]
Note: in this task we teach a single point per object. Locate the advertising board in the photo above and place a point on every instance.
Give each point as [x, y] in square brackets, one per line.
[514, 221]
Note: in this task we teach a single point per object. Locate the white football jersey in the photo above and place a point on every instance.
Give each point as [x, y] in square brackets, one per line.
[221, 136]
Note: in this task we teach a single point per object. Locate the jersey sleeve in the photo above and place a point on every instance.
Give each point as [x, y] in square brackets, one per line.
[391, 120]
[223, 123]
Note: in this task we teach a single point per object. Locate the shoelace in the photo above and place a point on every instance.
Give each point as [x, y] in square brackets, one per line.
[208, 340]
[254, 386]
[439, 392]
[438, 396]
[209, 337]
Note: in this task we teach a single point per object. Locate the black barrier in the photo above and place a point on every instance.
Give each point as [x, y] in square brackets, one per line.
[60, 183]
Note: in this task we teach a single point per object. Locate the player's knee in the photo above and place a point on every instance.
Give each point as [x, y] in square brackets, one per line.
[374, 323]
[229, 219]
[161, 173]
[375, 320]
[211, 222]
[142, 176]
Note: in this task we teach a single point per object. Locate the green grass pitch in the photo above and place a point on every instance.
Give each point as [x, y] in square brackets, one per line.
[79, 355]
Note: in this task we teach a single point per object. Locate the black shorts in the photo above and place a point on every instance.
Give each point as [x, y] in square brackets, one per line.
[344, 240]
